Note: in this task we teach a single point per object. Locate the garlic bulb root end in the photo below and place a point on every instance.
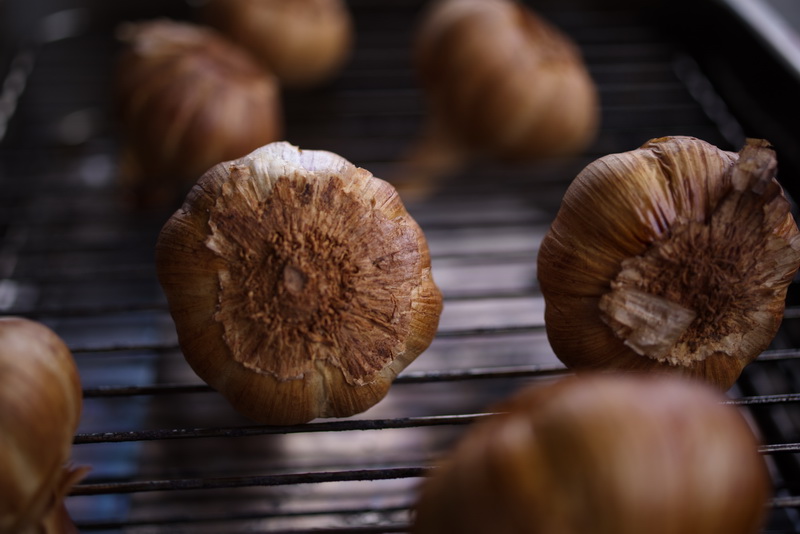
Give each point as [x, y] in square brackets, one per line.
[299, 284]
[675, 255]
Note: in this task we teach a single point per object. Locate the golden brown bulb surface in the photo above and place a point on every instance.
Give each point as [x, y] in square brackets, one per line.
[303, 42]
[40, 408]
[298, 283]
[187, 99]
[501, 80]
[602, 454]
[675, 256]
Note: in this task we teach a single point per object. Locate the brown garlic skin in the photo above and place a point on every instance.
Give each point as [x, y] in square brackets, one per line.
[40, 408]
[299, 285]
[673, 257]
[502, 81]
[303, 42]
[602, 454]
[186, 99]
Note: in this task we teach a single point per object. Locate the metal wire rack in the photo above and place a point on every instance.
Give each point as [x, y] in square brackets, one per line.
[167, 453]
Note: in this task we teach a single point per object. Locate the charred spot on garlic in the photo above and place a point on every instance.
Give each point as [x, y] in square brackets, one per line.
[317, 284]
[690, 273]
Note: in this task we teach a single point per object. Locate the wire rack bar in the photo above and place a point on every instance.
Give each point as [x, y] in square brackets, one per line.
[418, 377]
[343, 425]
[256, 480]
[346, 425]
[250, 516]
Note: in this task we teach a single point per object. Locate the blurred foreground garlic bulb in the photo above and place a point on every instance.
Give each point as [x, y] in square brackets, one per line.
[187, 99]
[40, 408]
[502, 81]
[603, 454]
[675, 257]
[298, 283]
[303, 42]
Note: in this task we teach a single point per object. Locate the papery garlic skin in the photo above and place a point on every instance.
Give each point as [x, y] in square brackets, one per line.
[299, 285]
[303, 42]
[602, 454]
[503, 81]
[187, 98]
[40, 408]
[672, 257]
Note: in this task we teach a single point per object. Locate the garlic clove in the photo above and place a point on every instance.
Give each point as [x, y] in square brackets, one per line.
[675, 256]
[599, 454]
[39, 414]
[187, 99]
[298, 284]
[303, 42]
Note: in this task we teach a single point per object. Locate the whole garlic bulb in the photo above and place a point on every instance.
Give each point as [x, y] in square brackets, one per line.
[501, 80]
[187, 99]
[40, 408]
[298, 283]
[621, 454]
[675, 256]
[304, 42]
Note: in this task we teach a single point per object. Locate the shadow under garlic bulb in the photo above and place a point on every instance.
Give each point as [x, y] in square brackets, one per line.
[672, 257]
[602, 454]
[502, 81]
[303, 42]
[187, 98]
[299, 285]
[40, 408]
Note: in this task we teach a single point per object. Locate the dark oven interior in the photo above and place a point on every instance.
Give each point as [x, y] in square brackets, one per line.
[168, 454]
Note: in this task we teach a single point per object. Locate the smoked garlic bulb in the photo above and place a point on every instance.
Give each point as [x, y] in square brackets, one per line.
[298, 283]
[501, 80]
[675, 256]
[303, 42]
[187, 99]
[40, 408]
[603, 454]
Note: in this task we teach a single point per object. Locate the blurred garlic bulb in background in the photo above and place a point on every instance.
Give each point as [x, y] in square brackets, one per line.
[672, 257]
[40, 408]
[299, 285]
[502, 81]
[187, 99]
[602, 454]
[303, 42]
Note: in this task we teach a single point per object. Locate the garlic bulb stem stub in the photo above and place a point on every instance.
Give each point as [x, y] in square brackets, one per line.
[675, 257]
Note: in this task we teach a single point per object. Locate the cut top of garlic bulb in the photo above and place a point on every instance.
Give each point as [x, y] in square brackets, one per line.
[298, 283]
[502, 80]
[674, 256]
[602, 454]
[40, 408]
